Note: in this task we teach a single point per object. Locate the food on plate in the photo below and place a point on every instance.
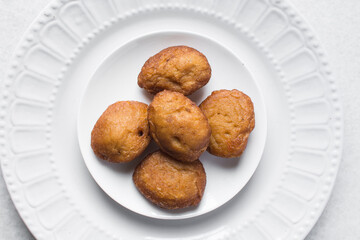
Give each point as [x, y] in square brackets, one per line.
[173, 177]
[231, 118]
[178, 126]
[122, 132]
[180, 68]
[169, 183]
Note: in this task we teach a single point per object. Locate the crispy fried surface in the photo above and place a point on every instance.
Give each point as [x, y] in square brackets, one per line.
[169, 183]
[231, 118]
[180, 68]
[122, 132]
[178, 126]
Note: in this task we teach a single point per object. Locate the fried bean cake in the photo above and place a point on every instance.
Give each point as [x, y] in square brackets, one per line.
[122, 132]
[178, 126]
[180, 68]
[169, 183]
[231, 118]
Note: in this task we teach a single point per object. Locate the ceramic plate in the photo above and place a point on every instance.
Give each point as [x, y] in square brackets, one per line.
[80, 56]
[116, 79]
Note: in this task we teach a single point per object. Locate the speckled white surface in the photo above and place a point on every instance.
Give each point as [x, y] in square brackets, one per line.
[335, 22]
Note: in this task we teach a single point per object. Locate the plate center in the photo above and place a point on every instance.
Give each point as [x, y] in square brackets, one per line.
[116, 80]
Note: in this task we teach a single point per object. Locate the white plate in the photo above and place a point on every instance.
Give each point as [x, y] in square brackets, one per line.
[41, 160]
[116, 79]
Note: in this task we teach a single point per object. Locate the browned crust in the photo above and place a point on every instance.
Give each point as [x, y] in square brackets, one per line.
[179, 68]
[122, 132]
[168, 183]
[178, 126]
[231, 117]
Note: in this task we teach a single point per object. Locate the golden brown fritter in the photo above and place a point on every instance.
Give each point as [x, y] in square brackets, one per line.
[169, 183]
[231, 118]
[180, 68]
[122, 132]
[178, 126]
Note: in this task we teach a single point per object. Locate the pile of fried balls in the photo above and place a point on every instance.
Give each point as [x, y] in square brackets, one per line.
[173, 177]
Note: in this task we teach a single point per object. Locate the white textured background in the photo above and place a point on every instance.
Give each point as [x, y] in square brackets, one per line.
[337, 25]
